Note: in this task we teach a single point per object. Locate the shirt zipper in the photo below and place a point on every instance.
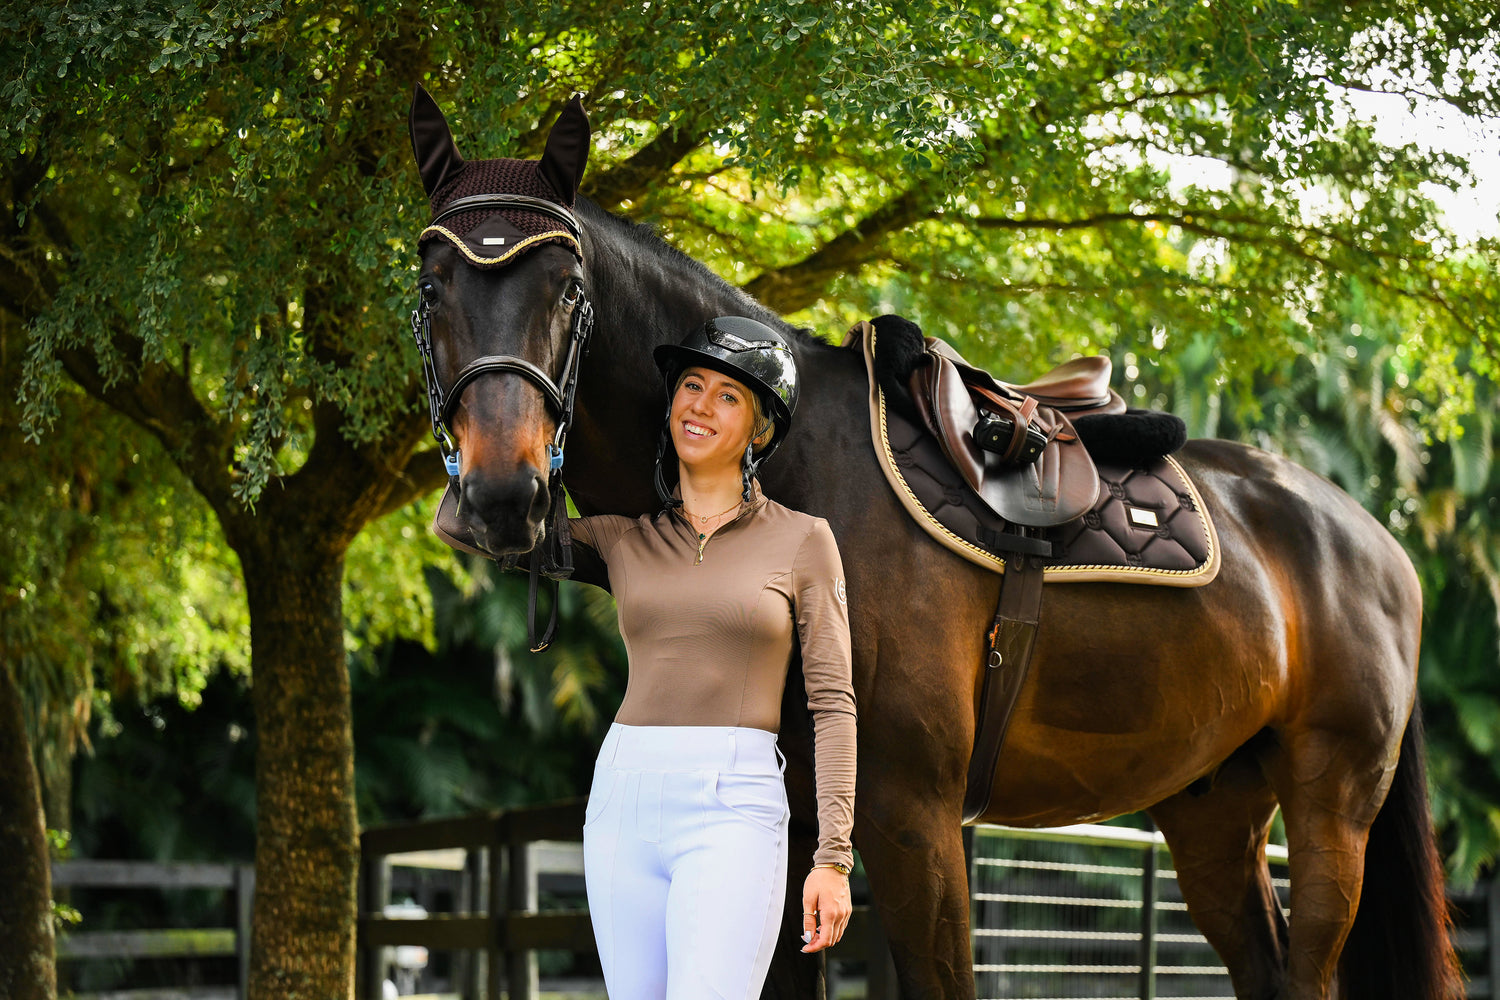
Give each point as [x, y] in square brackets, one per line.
[704, 537]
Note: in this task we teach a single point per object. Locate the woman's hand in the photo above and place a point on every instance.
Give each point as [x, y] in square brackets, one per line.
[825, 908]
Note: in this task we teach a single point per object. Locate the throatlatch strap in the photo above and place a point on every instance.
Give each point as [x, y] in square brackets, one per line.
[552, 558]
[1012, 639]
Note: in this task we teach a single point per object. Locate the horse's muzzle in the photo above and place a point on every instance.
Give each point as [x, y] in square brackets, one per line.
[506, 514]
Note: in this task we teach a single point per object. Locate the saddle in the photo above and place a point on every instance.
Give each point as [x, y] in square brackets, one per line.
[1042, 475]
[1104, 501]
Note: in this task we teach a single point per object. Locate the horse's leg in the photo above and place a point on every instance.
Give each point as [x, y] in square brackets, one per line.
[913, 765]
[1218, 841]
[794, 975]
[1331, 783]
[912, 847]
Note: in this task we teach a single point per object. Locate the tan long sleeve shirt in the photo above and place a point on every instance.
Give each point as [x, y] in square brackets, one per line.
[711, 626]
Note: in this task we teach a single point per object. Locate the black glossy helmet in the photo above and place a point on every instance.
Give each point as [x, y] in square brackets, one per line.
[745, 350]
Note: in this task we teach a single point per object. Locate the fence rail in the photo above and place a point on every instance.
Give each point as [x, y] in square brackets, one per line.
[237, 880]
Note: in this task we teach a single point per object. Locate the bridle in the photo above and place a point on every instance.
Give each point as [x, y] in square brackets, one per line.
[553, 557]
[560, 394]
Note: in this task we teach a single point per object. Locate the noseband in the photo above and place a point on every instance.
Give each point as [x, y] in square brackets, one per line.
[553, 557]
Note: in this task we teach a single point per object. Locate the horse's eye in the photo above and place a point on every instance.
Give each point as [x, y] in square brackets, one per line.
[428, 289]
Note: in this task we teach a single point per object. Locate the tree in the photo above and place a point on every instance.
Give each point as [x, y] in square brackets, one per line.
[210, 218]
[26, 955]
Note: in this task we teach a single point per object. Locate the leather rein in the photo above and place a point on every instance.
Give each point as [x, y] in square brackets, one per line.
[553, 556]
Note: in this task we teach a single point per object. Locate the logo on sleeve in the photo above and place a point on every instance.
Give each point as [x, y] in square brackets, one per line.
[838, 590]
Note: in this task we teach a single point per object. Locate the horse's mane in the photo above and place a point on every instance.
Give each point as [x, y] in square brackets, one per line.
[645, 238]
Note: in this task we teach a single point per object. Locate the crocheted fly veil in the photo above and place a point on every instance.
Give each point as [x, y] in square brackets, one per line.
[487, 236]
[492, 211]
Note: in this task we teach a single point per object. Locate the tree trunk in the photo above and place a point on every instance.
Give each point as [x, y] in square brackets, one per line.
[28, 969]
[306, 850]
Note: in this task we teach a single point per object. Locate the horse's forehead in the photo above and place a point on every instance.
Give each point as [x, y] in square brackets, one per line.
[491, 237]
[501, 175]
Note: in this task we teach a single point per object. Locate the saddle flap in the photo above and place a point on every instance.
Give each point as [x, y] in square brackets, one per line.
[1062, 484]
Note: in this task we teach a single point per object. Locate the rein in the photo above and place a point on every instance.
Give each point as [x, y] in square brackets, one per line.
[553, 557]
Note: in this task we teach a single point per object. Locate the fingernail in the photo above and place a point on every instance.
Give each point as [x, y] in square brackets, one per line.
[807, 937]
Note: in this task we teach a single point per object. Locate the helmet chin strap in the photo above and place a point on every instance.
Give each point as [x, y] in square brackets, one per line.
[662, 492]
[748, 468]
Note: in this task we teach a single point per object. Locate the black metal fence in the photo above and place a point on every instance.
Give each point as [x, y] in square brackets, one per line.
[1091, 912]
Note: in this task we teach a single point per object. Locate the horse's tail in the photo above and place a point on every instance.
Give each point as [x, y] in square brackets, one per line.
[1400, 946]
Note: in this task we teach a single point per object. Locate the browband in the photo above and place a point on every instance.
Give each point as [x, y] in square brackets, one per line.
[477, 202]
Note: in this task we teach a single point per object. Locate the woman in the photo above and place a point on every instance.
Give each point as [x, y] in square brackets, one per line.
[685, 836]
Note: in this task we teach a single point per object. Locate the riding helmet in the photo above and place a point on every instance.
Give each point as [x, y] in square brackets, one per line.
[745, 350]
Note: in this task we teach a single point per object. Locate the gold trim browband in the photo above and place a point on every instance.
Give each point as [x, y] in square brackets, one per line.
[463, 247]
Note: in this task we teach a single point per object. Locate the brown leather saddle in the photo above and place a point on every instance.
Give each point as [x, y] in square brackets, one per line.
[1059, 484]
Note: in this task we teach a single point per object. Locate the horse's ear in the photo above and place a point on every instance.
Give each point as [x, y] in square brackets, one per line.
[567, 151]
[438, 159]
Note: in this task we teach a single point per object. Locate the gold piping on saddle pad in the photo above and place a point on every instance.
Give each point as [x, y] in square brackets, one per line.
[1158, 529]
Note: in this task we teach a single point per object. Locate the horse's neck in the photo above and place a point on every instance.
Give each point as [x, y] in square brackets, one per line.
[643, 296]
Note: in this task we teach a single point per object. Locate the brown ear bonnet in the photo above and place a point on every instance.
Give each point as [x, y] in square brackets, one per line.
[487, 236]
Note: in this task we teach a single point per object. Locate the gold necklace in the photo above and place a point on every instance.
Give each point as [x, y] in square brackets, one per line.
[705, 518]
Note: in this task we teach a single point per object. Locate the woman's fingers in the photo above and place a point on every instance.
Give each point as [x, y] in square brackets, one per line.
[826, 908]
[810, 940]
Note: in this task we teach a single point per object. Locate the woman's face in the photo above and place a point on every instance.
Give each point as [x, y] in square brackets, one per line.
[713, 417]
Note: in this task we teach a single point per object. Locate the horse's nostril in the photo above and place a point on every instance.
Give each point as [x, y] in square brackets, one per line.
[539, 500]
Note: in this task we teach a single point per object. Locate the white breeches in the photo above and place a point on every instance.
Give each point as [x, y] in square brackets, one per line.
[684, 857]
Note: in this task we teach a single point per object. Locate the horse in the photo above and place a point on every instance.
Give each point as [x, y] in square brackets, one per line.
[1287, 682]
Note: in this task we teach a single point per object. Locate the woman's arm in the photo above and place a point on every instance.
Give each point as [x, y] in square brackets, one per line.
[823, 630]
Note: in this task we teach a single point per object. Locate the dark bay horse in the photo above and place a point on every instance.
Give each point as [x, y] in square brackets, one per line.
[1289, 681]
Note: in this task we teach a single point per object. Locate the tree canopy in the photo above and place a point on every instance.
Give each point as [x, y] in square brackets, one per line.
[210, 217]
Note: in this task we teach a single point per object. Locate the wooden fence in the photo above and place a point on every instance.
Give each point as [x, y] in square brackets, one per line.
[199, 942]
[501, 927]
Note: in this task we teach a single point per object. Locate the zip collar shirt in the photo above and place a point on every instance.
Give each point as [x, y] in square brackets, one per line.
[711, 624]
